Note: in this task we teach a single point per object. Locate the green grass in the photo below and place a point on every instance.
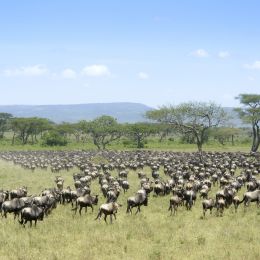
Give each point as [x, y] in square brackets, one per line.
[153, 234]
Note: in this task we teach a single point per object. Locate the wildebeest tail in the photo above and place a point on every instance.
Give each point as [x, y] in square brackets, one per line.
[242, 200]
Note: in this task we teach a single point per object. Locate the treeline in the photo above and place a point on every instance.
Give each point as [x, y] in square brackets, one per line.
[192, 122]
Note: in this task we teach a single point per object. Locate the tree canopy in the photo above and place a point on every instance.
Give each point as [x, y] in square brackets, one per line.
[193, 118]
[250, 113]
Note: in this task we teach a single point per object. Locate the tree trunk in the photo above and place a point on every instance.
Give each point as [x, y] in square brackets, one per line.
[13, 138]
[256, 138]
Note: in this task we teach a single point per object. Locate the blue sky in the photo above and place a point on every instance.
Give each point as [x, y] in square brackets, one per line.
[152, 51]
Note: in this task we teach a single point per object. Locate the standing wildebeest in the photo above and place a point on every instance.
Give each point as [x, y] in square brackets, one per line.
[30, 214]
[189, 196]
[220, 204]
[207, 204]
[113, 194]
[85, 202]
[125, 185]
[15, 205]
[236, 202]
[136, 201]
[108, 209]
[175, 202]
[3, 197]
[251, 196]
[21, 192]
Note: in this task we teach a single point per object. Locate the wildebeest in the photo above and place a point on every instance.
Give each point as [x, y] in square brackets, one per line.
[108, 209]
[21, 192]
[139, 199]
[207, 204]
[3, 197]
[15, 205]
[251, 196]
[31, 213]
[86, 201]
[125, 185]
[236, 202]
[220, 204]
[175, 202]
[189, 196]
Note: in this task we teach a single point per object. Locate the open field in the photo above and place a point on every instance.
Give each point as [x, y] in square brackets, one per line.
[153, 234]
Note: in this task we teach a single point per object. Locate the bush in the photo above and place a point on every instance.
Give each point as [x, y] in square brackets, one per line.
[53, 138]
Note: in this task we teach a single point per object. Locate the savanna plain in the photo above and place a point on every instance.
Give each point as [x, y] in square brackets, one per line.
[152, 234]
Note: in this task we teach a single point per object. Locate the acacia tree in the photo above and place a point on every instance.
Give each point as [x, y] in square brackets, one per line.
[23, 128]
[193, 118]
[250, 113]
[103, 131]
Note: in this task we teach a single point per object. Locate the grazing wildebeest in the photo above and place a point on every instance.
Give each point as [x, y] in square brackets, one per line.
[108, 209]
[31, 213]
[86, 201]
[136, 201]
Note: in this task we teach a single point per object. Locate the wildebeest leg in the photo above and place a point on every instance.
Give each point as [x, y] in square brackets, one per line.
[80, 208]
[30, 223]
[98, 215]
[170, 208]
[111, 217]
[35, 222]
[105, 218]
[175, 209]
[114, 215]
[91, 208]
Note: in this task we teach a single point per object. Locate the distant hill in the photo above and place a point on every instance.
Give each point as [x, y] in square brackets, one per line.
[124, 112]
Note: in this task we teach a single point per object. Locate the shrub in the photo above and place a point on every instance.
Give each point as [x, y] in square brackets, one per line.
[53, 138]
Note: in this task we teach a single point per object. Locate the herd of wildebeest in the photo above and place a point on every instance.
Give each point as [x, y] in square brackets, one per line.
[186, 176]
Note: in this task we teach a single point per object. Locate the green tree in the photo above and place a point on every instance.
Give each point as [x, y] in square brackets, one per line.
[4, 120]
[103, 130]
[250, 114]
[225, 134]
[23, 128]
[139, 131]
[193, 118]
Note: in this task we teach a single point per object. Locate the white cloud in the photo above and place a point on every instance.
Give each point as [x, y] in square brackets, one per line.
[96, 71]
[28, 71]
[250, 78]
[200, 53]
[143, 75]
[253, 66]
[68, 74]
[223, 54]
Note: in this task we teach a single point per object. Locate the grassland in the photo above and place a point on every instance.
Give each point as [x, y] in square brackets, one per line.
[153, 234]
